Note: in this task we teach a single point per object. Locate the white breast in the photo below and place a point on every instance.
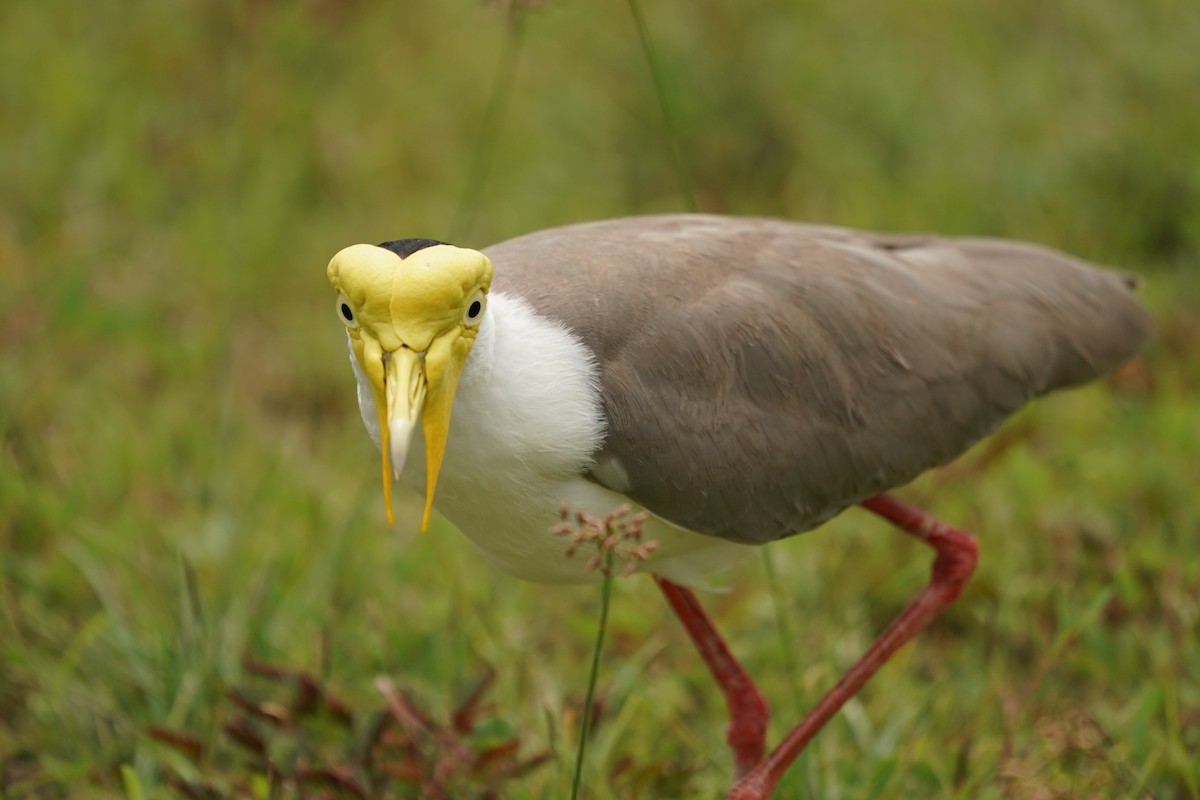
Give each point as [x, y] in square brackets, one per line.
[526, 422]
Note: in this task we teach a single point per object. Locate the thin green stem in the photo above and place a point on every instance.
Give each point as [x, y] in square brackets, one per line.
[493, 116]
[781, 623]
[585, 724]
[682, 174]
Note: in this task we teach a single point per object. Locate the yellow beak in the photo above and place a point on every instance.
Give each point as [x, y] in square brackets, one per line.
[417, 387]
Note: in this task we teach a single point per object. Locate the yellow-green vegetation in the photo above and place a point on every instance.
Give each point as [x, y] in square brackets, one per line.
[185, 483]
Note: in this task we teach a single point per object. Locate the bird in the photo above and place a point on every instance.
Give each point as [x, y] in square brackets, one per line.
[737, 380]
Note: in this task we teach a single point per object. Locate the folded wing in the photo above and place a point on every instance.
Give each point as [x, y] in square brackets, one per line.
[759, 376]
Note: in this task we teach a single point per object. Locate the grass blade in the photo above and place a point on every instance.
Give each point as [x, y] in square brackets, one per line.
[585, 723]
[493, 116]
[682, 172]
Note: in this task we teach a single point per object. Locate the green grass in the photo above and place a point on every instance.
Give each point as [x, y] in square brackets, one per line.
[184, 481]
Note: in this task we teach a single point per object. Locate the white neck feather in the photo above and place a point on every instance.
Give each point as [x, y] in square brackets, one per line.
[529, 394]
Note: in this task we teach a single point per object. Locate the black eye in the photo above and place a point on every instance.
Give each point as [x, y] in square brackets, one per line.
[346, 312]
[475, 308]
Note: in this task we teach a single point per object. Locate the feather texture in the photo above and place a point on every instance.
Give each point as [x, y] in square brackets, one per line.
[758, 376]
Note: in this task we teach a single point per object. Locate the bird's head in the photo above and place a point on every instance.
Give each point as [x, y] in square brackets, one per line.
[412, 309]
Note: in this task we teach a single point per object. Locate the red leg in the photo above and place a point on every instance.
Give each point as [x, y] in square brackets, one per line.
[748, 711]
[952, 568]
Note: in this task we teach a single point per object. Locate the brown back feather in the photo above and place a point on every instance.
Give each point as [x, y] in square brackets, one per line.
[759, 376]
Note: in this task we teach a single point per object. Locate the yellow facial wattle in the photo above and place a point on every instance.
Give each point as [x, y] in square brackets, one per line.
[412, 321]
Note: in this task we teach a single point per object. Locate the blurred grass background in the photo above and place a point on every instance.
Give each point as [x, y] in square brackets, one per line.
[184, 481]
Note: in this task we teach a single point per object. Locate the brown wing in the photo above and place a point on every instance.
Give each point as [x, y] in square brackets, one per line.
[759, 376]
